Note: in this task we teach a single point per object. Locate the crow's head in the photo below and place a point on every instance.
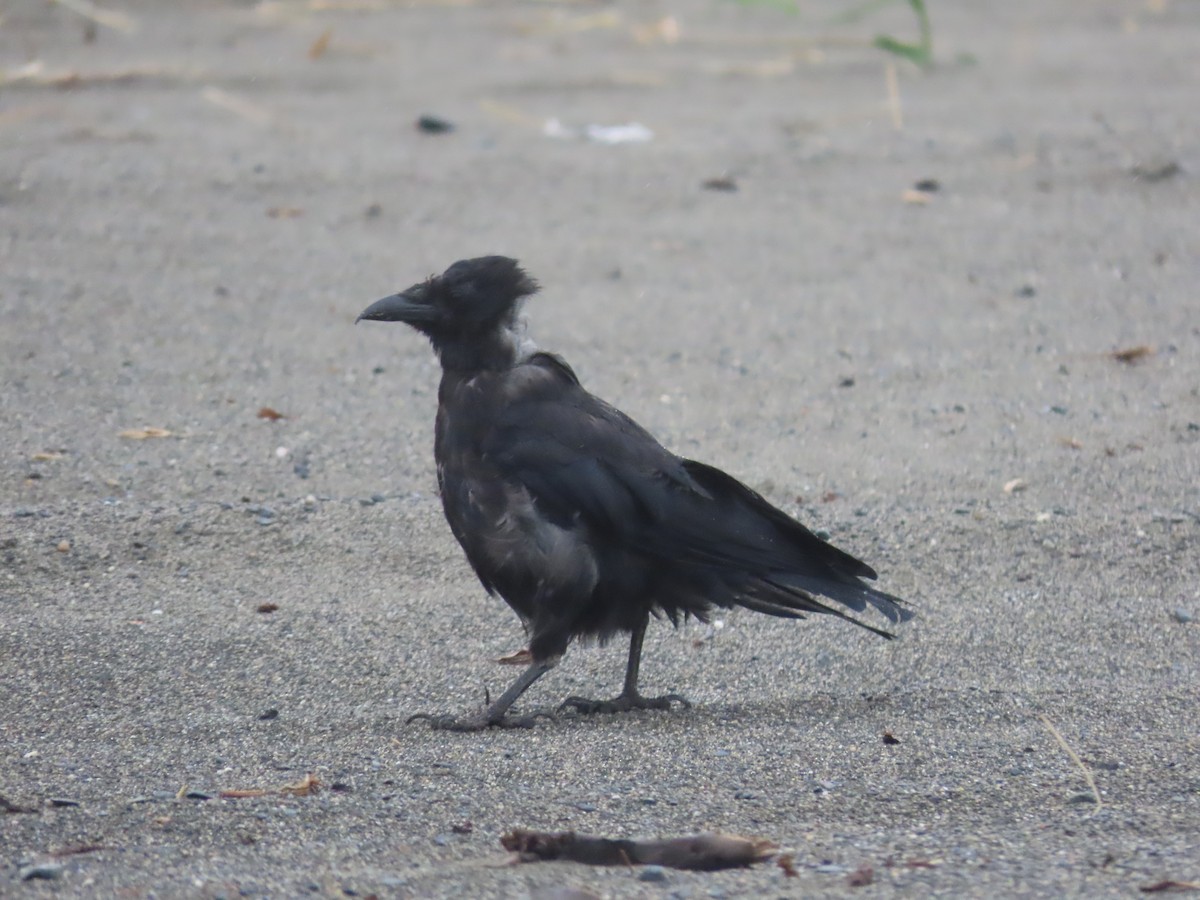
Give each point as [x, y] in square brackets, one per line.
[470, 311]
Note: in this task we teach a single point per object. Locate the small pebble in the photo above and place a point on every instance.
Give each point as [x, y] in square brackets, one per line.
[585, 807]
[42, 871]
[268, 715]
[653, 873]
[1182, 616]
[63, 801]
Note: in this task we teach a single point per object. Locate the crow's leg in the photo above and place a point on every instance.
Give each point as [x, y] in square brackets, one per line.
[494, 715]
[629, 697]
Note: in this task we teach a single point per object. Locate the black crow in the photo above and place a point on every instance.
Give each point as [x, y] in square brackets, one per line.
[576, 516]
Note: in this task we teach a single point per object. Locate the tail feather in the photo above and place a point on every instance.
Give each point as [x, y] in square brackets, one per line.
[851, 593]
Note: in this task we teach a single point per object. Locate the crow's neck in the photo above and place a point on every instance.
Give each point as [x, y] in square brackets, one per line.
[493, 351]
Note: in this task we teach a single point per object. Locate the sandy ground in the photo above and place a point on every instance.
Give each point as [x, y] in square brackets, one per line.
[191, 216]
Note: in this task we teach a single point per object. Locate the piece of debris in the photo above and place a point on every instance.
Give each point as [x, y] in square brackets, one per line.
[142, 434]
[628, 133]
[916, 198]
[427, 124]
[7, 806]
[928, 186]
[1015, 486]
[787, 862]
[1087, 773]
[239, 106]
[861, 877]
[890, 739]
[663, 31]
[265, 608]
[47, 456]
[78, 849]
[1156, 170]
[720, 183]
[109, 18]
[463, 827]
[41, 872]
[702, 852]
[521, 658]
[304, 787]
[284, 212]
[270, 414]
[268, 715]
[63, 547]
[318, 47]
[1131, 355]
[1169, 885]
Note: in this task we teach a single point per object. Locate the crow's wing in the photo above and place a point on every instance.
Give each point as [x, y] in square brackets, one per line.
[586, 463]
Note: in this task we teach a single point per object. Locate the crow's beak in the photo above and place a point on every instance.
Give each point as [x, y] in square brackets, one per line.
[408, 306]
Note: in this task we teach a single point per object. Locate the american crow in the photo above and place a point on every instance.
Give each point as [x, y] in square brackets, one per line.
[576, 516]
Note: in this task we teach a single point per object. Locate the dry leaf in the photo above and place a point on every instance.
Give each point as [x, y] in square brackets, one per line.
[284, 212]
[321, 44]
[917, 198]
[1015, 486]
[267, 607]
[890, 739]
[238, 795]
[273, 415]
[47, 456]
[788, 864]
[141, 434]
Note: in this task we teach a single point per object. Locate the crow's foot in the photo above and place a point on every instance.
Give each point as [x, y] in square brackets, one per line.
[480, 721]
[623, 703]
